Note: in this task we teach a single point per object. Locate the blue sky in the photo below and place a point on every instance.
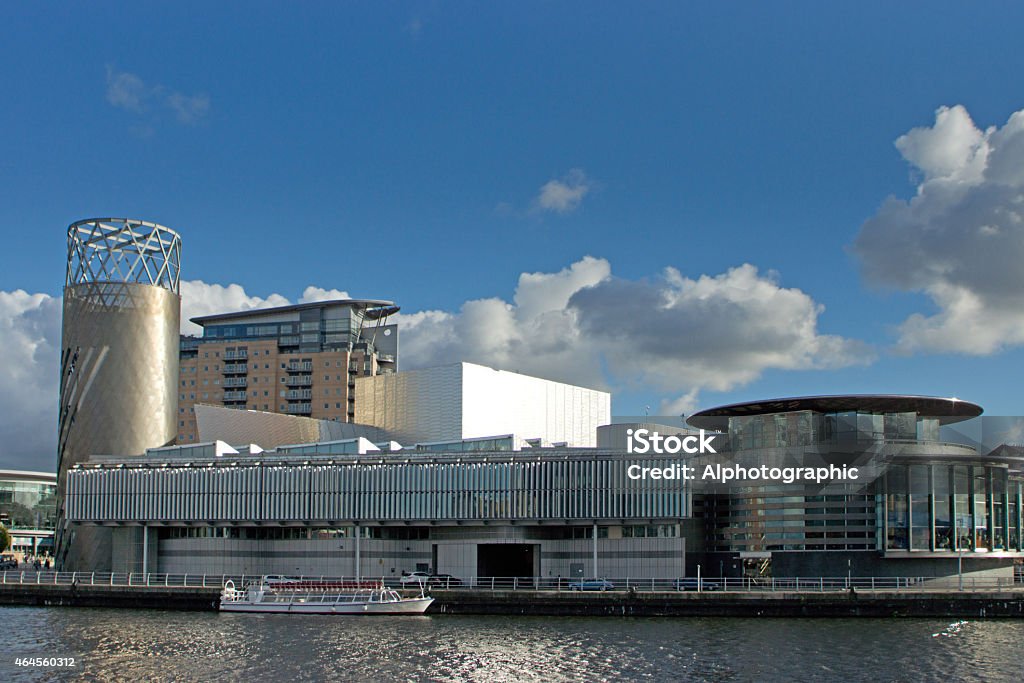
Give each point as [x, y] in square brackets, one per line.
[402, 151]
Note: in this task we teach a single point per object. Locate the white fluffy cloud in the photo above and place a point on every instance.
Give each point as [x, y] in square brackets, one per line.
[563, 195]
[536, 334]
[199, 298]
[312, 293]
[673, 334]
[30, 336]
[960, 239]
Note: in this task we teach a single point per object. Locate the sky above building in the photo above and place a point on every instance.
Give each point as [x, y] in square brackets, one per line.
[684, 204]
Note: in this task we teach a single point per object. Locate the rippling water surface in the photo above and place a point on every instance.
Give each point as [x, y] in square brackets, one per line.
[133, 645]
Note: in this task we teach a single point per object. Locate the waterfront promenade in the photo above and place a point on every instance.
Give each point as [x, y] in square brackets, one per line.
[789, 597]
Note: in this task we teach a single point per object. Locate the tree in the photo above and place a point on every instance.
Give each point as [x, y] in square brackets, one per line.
[5, 539]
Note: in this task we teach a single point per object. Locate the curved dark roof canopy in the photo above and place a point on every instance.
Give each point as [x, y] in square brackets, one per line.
[373, 309]
[948, 410]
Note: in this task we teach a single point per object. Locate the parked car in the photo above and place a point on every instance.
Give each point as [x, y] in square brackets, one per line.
[8, 562]
[417, 578]
[690, 584]
[591, 585]
[444, 581]
[278, 580]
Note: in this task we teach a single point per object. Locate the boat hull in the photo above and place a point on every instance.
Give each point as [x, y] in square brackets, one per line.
[411, 606]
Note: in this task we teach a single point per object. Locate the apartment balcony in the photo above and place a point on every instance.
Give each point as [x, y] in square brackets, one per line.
[236, 355]
[300, 408]
[234, 396]
[385, 358]
[299, 381]
[297, 394]
[236, 368]
[236, 382]
[300, 366]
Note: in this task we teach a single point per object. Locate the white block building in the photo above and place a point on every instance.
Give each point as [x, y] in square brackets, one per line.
[466, 401]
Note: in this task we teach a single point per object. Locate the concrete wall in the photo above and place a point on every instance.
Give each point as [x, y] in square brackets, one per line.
[127, 555]
[617, 558]
[870, 563]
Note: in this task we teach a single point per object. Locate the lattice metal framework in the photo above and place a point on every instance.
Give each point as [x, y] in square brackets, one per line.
[123, 250]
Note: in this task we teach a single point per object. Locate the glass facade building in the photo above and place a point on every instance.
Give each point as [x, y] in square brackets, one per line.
[925, 499]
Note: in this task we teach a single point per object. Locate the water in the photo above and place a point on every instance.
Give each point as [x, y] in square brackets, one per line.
[134, 645]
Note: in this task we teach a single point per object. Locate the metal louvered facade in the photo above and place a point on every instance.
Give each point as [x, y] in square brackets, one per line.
[512, 489]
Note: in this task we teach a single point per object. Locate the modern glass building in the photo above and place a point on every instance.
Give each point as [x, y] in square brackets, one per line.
[28, 508]
[923, 505]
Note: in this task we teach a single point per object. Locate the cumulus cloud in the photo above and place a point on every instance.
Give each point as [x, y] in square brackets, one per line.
[312, 293]
[199, 298]
[672, 334]
[563, 195]
[959, 239]
[129, 92]
[30, 335]
[536, 333]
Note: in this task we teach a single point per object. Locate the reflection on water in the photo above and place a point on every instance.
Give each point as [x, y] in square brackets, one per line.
[132, 645]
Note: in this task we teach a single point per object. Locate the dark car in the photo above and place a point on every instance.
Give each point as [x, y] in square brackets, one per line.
[8, 562]
[591, 585]
[444, 581]
[691, 584]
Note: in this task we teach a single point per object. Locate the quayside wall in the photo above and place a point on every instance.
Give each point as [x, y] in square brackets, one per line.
[904, 603]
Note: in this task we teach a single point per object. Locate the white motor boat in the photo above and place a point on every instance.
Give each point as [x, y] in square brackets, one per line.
[262, 597]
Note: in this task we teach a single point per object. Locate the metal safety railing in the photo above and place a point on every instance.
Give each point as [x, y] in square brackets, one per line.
[816, 584]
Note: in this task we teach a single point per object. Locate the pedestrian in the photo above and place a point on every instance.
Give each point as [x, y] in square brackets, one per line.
[47, 564]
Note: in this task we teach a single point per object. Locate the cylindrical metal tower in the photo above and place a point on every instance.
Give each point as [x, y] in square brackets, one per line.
[119, 357]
